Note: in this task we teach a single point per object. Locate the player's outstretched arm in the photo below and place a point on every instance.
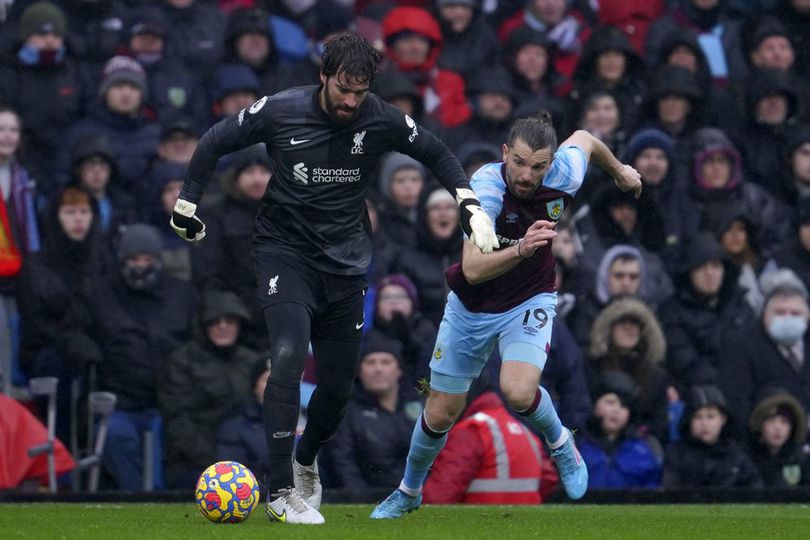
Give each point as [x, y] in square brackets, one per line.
[479, 267]
[249, 127]
[625, 176]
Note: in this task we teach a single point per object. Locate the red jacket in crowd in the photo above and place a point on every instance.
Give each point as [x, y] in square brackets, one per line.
[490, 458]
[442, 91]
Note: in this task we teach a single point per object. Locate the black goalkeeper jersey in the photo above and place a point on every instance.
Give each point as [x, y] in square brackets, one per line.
[315, 202]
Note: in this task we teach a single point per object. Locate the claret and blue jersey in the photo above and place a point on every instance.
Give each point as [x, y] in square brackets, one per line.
[512, 217]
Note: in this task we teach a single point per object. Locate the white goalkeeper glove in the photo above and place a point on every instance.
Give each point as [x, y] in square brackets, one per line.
[187, 226]
[475, 222]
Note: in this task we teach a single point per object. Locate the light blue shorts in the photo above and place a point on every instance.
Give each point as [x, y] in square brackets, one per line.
[466, 340]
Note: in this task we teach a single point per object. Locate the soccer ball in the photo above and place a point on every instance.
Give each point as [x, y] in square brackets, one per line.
[227, 492]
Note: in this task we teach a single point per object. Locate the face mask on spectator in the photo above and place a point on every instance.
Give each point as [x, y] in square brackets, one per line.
[31, 56]
[142, 278]
[788, 329]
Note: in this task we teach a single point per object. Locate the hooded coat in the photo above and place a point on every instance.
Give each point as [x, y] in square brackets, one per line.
[763, 145]
[58, 295]
[644, 363]
[738, 195]
[790, 466]
[443, 91]
[690, 462]
[397, 223]
[466, 51]
[200, 383]
[696, 326]
[630, 91]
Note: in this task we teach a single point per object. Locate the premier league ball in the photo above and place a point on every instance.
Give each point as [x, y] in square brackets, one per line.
[227, 492]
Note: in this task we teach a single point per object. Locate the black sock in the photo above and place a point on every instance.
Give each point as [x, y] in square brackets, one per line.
[281, 403]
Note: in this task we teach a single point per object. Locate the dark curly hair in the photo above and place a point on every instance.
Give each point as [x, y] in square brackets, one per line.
[351, 54]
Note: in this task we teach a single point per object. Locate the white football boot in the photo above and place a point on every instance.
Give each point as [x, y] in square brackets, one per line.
[289, 507]
[308, 482]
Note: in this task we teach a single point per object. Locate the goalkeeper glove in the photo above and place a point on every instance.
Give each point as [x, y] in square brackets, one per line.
[475, 222]
[185, 223]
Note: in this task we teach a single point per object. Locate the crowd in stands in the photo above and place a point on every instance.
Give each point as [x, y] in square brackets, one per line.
[680, 354]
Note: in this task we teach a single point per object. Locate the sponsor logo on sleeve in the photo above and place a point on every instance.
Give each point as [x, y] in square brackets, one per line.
[256, 107]
[411, 124]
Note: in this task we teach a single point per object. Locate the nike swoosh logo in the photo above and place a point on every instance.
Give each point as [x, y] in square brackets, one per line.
[359, 325]
[282, 517]
[302, 141]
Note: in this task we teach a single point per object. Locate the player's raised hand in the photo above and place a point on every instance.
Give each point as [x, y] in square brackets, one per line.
[628, 179]
[187, 226]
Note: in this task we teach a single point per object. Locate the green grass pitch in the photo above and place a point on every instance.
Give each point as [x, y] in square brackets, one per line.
[551, 522]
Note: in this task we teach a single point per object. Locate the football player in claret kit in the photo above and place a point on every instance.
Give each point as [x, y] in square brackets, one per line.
[312, 244]
[508, 297]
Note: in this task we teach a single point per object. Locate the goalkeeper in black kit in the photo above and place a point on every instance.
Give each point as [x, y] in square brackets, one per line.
[312, 244]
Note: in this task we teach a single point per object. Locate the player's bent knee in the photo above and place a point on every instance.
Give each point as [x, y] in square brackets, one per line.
[519, 399]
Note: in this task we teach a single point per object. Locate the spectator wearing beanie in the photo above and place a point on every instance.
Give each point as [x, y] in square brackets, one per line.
[118, 114]
[610, 64]
[795, 254]
[233, 87]
[493, 97]
[43, 84]
[196, 32]
[174, 89]
[617, 454]
[370, 448]
[707, 309]
[401, 180]
[778, 428]
[146, 314]
[707, 455]
[772, 350]
[718, 34]
[397, 318]
[224, 260]
[413, 43]
[58, 297]
[201, 383]
[651, 152]
[438, 245]
[469, 42]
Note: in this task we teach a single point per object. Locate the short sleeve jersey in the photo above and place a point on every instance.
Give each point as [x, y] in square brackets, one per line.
[512, 218]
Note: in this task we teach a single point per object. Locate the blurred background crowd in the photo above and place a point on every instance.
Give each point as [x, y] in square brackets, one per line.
[680, 353]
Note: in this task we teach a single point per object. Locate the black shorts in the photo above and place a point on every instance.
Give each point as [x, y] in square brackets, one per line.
[335, 302]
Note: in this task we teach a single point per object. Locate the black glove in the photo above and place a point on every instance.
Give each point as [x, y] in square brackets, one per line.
[187, 226]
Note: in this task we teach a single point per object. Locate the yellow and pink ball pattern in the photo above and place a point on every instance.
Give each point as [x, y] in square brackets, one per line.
[227, 492]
